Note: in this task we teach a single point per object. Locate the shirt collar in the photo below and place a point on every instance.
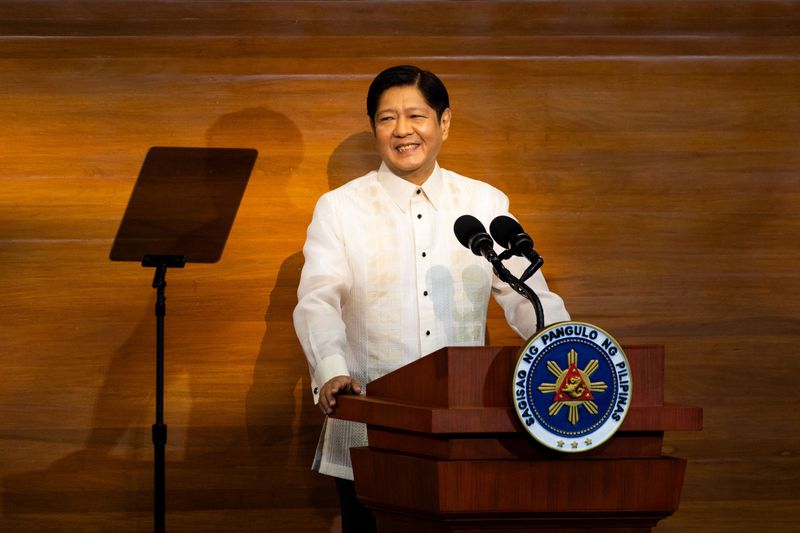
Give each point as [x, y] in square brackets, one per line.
[401, 191]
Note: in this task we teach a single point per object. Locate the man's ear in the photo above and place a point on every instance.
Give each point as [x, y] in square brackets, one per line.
[444, 123]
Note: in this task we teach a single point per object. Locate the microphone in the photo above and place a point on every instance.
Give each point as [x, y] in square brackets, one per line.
[471, 233]
[510, 235]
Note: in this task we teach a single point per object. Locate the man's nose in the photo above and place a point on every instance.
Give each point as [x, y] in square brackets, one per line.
[402, 127]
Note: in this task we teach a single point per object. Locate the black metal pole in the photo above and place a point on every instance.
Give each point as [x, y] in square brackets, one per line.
[159, 428]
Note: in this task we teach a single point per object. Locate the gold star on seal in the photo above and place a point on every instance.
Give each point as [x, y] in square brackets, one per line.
[560, 444]
[573, 387]
[574, 444]
[588, 441]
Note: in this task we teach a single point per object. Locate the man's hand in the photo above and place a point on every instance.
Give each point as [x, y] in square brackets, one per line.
[334, 386]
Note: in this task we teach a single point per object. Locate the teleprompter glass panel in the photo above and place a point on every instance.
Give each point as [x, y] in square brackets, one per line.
[184, 203]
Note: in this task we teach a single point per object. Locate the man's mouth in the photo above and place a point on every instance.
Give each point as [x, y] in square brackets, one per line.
[403, 148]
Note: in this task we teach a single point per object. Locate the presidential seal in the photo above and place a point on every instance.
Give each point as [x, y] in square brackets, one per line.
[572, 386]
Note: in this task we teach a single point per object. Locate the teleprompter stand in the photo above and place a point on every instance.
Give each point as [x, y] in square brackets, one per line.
[161, 263]
[181, 211]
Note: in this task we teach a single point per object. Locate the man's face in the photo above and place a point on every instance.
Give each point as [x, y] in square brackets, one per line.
[408, 135]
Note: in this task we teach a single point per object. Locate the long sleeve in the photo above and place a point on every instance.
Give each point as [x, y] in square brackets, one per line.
[324, 284]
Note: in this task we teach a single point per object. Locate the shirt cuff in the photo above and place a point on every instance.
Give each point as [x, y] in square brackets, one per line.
[330, 367]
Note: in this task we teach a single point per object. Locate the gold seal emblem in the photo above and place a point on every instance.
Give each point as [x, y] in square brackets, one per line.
[592, 380]
[573, 387]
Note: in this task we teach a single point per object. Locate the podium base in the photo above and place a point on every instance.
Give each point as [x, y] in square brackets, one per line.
[392, 523]
[567, 495]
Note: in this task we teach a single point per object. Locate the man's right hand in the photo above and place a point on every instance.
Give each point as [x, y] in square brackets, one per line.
[334, 386]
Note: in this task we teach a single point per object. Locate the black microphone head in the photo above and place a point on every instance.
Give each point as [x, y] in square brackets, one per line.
[504, 230]
[466, 227]
[471, 233]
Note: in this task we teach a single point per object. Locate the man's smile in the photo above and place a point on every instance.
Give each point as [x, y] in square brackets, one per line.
[406, 147]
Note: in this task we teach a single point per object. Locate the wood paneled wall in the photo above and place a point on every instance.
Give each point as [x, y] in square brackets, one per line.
[651, 148]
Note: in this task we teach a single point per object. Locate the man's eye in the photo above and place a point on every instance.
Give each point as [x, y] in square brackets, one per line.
[384, 119]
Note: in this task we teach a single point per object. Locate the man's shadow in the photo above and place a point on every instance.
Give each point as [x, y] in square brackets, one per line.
[283, 424]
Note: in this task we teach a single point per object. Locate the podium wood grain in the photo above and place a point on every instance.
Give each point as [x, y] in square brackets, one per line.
[461, 461]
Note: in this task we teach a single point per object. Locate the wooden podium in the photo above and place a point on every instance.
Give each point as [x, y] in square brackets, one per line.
[447, 453]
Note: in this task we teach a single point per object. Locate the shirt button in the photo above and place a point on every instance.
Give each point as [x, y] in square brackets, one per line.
[316, 390]
[424, 293]
[424, 254]
[427, 333]
[419, 191]
[419, 216]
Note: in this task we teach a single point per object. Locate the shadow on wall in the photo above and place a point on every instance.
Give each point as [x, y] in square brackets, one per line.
[354, 157]
[262, 467]
[271, 396]
[283, 424]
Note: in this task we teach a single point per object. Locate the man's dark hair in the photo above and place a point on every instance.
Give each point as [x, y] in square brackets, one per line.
[427, 82]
